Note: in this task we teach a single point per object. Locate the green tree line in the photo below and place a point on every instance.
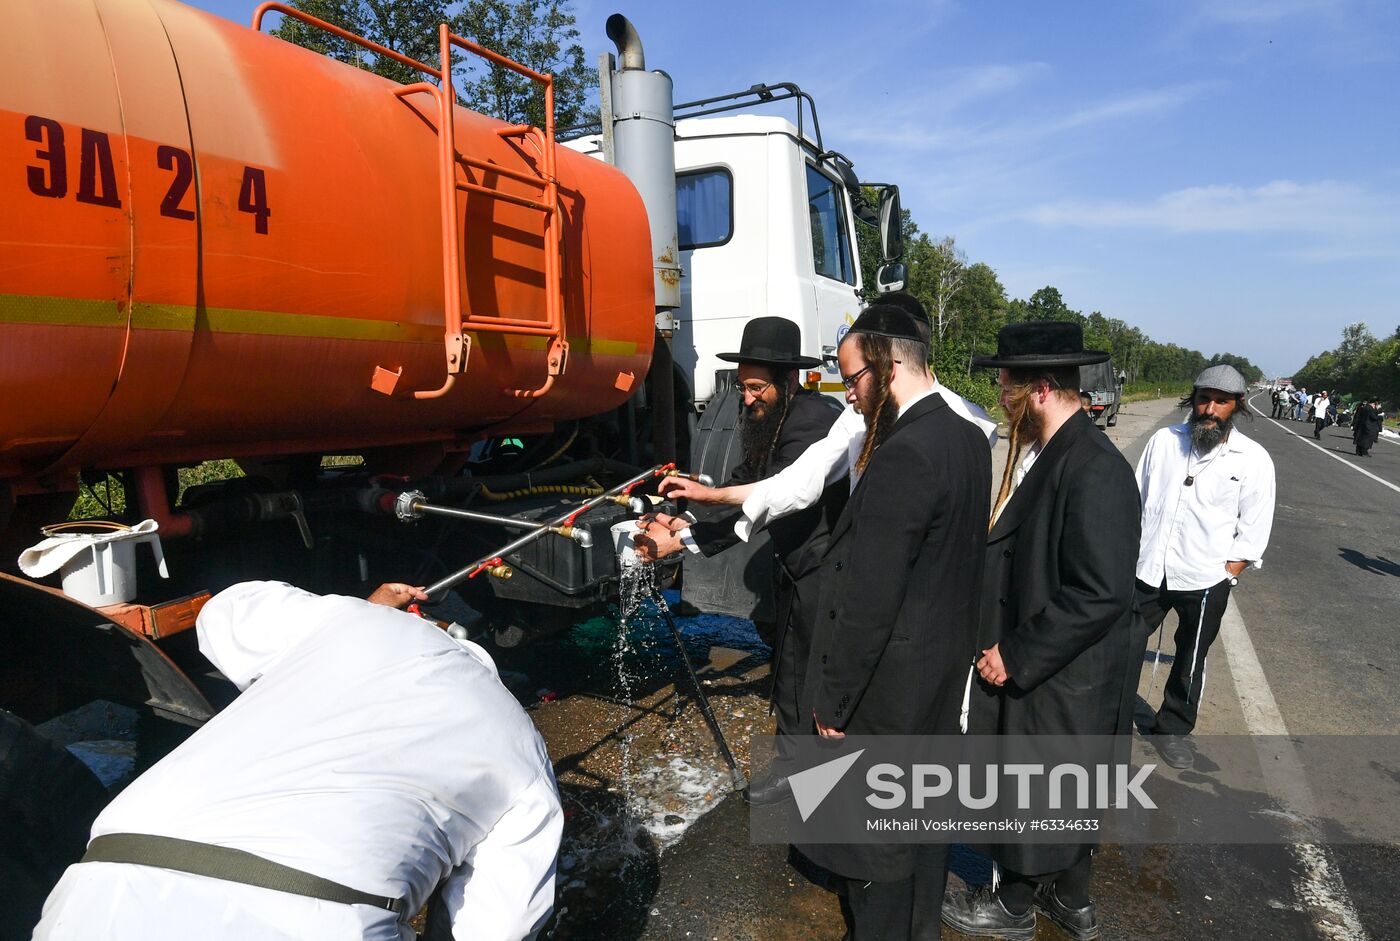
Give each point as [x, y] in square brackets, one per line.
[540, 34]
[1361, 366]
[968, 304]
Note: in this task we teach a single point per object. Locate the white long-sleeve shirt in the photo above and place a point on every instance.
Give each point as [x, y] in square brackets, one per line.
[801, 483]
[1190, 532]
[368, 748]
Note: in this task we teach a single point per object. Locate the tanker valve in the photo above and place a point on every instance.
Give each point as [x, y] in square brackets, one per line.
[704, 480]
[578, 534]
[500, 571]
[637, 505]
[409, 505]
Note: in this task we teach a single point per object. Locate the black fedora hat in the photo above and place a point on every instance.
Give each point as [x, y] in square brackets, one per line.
[1041, 343]
[772, 341]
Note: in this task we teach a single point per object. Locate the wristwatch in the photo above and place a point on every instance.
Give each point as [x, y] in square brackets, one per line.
[1234, 580]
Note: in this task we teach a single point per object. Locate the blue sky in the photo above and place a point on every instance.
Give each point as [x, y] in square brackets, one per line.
[1224, 174]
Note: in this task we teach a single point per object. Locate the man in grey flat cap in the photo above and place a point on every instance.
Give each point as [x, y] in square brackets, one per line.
[1207, 508]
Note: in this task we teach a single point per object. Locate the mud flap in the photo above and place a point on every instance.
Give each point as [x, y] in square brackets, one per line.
[739, 581]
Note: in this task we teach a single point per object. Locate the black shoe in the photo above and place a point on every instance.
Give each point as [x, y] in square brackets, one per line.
[982, 915]
[769, 789]
[1174, 750]
[1081, 924]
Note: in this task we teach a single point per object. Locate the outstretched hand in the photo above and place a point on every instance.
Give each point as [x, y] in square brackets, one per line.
[397, 595]
[682, 488]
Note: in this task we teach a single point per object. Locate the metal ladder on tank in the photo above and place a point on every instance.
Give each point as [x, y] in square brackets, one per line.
[456, 343]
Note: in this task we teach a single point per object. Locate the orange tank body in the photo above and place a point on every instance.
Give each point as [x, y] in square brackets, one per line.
[212, 241]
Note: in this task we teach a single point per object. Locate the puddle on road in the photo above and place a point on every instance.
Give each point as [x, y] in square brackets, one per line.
[636, 765]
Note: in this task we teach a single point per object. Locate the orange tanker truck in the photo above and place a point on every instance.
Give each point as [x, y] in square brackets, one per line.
[216, 244]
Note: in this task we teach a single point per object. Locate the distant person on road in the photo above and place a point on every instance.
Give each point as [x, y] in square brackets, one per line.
[1319, 413]
[1366, 426]
[1207, 510]
[1300, 411]
[370, 761]
[1277, 397]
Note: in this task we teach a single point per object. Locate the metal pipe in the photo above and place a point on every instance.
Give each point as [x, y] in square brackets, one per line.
[417, 506]
[155, 503]
[493, 559]
[629, 45]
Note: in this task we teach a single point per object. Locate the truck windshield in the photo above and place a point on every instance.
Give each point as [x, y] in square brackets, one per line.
[831, 245]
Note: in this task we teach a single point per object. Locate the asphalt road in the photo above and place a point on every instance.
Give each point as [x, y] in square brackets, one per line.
[1310, 649]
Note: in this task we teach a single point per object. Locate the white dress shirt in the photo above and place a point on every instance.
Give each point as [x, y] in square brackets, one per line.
[1319, 407]
[801, 483]
[368, 748]
[1189, 533]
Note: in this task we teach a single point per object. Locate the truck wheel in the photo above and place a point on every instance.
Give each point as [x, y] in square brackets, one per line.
[48, 800]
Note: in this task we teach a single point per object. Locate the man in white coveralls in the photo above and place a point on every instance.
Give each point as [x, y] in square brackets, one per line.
[370, 759]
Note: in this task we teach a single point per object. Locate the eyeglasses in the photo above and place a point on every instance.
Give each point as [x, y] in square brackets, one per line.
[850, 381]
[754, 389]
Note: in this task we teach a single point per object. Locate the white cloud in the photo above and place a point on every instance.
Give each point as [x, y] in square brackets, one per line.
[952, 138]
[1324, 208]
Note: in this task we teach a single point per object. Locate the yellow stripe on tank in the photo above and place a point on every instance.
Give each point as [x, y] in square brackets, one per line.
[77, 312]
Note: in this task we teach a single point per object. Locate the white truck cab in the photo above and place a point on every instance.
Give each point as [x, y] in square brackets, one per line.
[765, 227]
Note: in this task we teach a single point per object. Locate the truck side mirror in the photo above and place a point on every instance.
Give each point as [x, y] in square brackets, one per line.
[891, 228]
[891, 277]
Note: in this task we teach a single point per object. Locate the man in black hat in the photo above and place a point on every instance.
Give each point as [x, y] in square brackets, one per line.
[897, 618]
[1056, 629]
[777, 422]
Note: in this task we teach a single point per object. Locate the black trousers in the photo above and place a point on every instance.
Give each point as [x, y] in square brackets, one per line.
[1017, 891]
[1198, 613]
[907, 910]
[1318, 425]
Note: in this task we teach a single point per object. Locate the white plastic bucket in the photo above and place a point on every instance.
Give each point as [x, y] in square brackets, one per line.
[104, 572]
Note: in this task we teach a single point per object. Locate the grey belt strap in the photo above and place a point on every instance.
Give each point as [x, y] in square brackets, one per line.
[228, 864]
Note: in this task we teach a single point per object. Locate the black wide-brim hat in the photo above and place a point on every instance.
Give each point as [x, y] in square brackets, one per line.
[772, 341]
[1041, 343]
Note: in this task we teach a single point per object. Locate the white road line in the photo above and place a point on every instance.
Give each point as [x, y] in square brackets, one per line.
[1335, 457]
[1320, 888]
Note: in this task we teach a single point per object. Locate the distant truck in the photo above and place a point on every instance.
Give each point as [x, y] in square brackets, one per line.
[1104, 384]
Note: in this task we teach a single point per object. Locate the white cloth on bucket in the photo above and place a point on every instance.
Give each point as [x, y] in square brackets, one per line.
[47, 557]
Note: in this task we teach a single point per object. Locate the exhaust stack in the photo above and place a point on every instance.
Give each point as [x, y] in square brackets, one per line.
[643, 126]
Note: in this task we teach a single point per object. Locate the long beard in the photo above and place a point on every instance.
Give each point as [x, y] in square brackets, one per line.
[1028, 426]
[758, 432]
[1207, 437]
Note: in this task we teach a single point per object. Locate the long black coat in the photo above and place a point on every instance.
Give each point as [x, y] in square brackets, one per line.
[1365, 426]
[897, 620]
[799, 542]
[1058, 596]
